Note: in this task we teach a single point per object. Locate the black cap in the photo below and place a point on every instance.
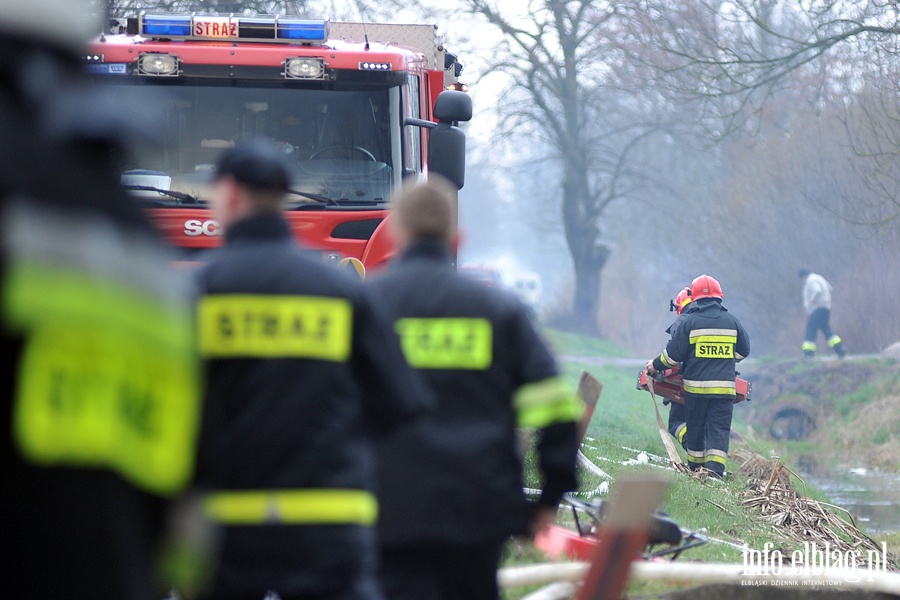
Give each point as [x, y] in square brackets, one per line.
[257, 164]
[804, 272]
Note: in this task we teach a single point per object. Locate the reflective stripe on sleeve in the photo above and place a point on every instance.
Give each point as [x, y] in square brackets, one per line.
[667, 360]
[546, 402]
[257, 326]
[292, 507]
[725, 387]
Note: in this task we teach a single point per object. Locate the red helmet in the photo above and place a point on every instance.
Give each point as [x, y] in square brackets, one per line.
[681, 300]
[705, 287]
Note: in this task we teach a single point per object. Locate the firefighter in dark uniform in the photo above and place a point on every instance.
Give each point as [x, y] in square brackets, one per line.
[707, 344]
[302, 374]
[100, 386]
[450, 486]
[677, 422]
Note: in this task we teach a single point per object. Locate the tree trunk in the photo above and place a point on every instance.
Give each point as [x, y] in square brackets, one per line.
[589, 263]
[588, 254]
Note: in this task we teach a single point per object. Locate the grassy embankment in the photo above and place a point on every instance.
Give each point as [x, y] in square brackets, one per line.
[623, 425]
[855, 406]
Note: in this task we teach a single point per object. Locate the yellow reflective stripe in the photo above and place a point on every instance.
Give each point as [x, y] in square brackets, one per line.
[725, 339]
[696, 456]
[720, 391]
[108, 376]
[726, 388]
[256, 326]
[712, 332]
[35, 293]
[723, 391]
[717, 456]
[665, 359]
[809, 346]
[679, 433]
[292, 507]
[546, 402]
[834, 341]
[451, 343]
[726, 383]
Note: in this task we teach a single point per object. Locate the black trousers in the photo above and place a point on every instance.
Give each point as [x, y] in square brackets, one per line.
[441, 572]
[820, 320]
[708, 431]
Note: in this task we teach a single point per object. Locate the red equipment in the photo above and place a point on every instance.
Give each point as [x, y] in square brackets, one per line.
[353, 106]
[668, 384]
[665, 538]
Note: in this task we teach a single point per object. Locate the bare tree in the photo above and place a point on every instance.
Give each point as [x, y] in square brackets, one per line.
[283, 7]
[733, 57]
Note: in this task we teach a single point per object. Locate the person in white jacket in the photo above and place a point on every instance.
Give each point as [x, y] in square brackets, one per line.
[817, 301]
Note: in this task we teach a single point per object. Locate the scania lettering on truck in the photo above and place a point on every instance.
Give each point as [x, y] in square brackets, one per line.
[356, 108]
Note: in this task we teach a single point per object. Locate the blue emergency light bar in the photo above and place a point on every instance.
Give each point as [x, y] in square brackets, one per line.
[166, 26]
[304, 31]
[224, 28]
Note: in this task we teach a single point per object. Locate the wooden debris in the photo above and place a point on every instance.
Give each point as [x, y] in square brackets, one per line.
[771, 492]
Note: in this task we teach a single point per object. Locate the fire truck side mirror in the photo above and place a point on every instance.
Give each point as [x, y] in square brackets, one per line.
[452, 106]
[446, 141]
[447, 153]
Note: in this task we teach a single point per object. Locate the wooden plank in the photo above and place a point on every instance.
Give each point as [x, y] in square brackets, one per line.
[635, 497]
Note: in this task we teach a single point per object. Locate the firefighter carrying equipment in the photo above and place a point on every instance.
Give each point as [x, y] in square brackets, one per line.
[707, 345]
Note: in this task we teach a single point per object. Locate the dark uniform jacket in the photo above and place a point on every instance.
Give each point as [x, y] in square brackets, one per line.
[302, 374]
[94, 339]
[707, 343]
[456, 477]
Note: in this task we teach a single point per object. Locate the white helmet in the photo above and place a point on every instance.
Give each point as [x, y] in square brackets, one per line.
[67, 24]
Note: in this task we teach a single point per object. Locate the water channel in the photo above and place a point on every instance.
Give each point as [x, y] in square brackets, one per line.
[871, 496]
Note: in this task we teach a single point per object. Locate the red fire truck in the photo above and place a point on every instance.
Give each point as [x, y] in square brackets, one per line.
[356, 108]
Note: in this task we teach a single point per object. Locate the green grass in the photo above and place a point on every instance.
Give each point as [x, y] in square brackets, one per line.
[623, 424]
[576, 345]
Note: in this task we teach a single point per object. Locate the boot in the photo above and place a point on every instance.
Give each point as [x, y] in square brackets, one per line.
[837, 345]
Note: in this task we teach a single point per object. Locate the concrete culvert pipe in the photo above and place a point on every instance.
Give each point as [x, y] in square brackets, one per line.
[792, 423]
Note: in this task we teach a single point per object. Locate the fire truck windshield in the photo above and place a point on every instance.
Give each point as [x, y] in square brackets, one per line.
[343, 145]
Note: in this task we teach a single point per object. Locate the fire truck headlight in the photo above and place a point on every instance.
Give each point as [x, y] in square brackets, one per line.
[157, 65]
[304, 68]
